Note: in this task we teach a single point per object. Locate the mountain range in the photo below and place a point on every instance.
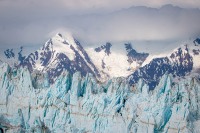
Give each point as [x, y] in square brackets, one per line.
[65, 53]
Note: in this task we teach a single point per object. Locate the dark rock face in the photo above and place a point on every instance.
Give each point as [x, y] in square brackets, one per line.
[9, 53]
[103, 64]
[47, 53]
[20, 56]
[196, 41]
[28, 61]
[133, 55]
[64, 63]
[196, 52]
[178, 64]
[105, 47]
[87, 57]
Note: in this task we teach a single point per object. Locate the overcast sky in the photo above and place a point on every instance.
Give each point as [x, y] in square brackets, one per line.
[32, 22]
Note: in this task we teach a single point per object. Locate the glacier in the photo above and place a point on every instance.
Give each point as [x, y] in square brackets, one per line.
[76, 104]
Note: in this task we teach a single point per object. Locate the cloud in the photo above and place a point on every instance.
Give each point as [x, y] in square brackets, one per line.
[26, 22]
[141, 23]
[93, 4]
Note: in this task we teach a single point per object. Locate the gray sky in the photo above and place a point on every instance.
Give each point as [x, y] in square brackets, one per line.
[29, 22]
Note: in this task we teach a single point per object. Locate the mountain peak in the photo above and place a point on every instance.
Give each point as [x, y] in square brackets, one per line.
[58, 37]
[59, 34]
[63, 38]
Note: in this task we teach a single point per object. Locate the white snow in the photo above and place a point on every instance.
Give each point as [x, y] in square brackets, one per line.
[116, 64]
[60, 47]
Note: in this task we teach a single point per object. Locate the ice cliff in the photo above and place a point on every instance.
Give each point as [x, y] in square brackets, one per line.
[75, 104]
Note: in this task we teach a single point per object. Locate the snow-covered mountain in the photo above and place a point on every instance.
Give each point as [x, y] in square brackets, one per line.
[181, 62]
[63, 52]
[58, 54]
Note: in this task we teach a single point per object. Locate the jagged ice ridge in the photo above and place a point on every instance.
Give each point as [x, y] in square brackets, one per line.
[76, 104]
